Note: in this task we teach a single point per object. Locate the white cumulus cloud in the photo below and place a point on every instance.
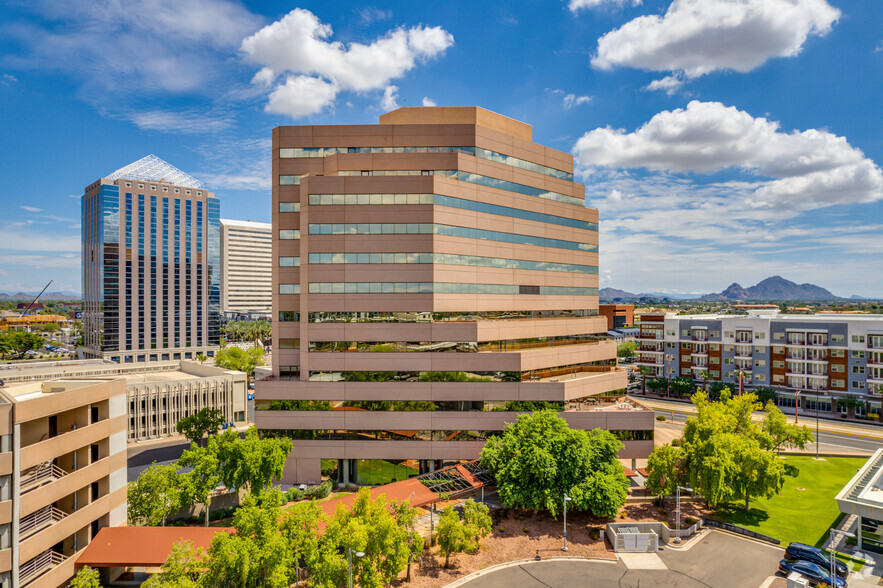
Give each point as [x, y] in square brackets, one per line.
[390, 94]
[571, 100]
[301, 96]
[802, 169]
[299, 46]
[697, 37]
[427, 101]
[668, 84]
[577, 5]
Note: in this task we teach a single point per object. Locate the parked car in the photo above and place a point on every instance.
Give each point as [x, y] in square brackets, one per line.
[799, 551]
[817, 575]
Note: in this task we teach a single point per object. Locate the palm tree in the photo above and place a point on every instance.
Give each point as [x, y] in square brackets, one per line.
[645, 371]
[704, 375]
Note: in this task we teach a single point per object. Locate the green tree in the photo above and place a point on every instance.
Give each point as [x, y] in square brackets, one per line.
[645, 371]
[154, 495]
[201, 357]
[234, 358]
[657, 384]
[184, 568]
[18, 342]
[257, 555]
[782, 434]
[682, 386]
[725, 451]
[207, 421]
[715, 389]
[86, 578]
[664, 470]
[198, 484]
[626, 350]
[300, 529]
[539, 458]
[371, 526]
[451, 534]
[252, 463]
[765, 394]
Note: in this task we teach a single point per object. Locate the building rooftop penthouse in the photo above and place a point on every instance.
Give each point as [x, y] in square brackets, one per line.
[438, 271]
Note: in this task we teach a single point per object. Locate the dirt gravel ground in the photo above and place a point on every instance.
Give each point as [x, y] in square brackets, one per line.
[544, 539]
[509, 542]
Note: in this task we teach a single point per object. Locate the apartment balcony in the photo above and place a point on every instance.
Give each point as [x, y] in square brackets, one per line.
[650, 336]
[40, 475]
[35, 522]
[39, 566]
[744, 338]
[650, 361]
[699, 354]
[700, 338]
[876, 361]
[653, 349]
[795, 343]
[743, 355]
[799, 356]
[817, 359]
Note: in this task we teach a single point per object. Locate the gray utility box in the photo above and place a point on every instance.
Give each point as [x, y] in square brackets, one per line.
[796, 580]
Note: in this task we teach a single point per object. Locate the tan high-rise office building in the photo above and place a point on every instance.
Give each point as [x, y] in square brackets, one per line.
[62, 475]
[246, 267]
[432, 274]
[151, 265]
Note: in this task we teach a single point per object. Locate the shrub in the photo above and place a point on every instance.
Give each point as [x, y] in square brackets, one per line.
[851, 541]
[294, 494]
[660, 418]
[676, 442]
[690, 521]
[319, 491]
[595, 534]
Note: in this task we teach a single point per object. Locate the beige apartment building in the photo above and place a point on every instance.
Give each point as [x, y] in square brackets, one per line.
[431, 272]
[158, 394]
[62, 475]
[246, 267]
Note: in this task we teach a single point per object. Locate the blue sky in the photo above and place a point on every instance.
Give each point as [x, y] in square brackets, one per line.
[720, 140]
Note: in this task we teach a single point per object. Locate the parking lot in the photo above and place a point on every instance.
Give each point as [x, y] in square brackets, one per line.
[716, 560]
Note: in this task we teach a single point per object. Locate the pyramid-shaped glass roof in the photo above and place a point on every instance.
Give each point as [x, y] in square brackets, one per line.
[154, 169]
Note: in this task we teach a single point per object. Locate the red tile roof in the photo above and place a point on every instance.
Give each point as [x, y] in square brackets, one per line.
[141, 546]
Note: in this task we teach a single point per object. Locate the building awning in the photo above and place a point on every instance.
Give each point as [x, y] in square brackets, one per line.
[141, 547]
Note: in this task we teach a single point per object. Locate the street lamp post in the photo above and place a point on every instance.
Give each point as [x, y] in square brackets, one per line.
[668, 358]
[797, 407]
[833, 545]
[678, 509]
[349, 561]
[566, 500]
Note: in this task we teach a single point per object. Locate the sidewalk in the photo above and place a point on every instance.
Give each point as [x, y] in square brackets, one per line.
[851, 428]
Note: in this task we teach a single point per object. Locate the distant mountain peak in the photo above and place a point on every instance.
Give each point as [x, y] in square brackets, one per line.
[772, 288]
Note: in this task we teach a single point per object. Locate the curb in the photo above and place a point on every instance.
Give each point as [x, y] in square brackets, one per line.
[520, 562]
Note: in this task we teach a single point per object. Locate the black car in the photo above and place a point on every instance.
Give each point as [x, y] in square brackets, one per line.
[817, 575]
[799, 551]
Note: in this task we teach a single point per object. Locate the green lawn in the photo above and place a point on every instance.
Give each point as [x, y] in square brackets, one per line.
[798, 515]
[374, 472]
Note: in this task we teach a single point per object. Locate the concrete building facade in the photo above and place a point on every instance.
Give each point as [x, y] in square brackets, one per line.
[62, 475]
[158, 394]
[246, 267]
[811, 359]
[429, 272]
[151, 265]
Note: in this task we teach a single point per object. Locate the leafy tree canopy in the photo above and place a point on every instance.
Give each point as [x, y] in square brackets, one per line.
[154, 495]
[196, 426]
[86, 578]
[539, 458]
[234, 358]
[726, 453]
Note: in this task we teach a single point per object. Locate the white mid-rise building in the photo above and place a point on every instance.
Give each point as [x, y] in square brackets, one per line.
[246, 266]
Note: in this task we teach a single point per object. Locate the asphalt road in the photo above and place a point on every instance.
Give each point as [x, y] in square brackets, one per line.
[718, 560]
[828, 442]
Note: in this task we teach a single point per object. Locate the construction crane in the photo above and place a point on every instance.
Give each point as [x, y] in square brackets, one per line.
[35, 300]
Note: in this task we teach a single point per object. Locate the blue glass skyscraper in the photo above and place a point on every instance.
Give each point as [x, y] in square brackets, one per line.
[151, 265]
